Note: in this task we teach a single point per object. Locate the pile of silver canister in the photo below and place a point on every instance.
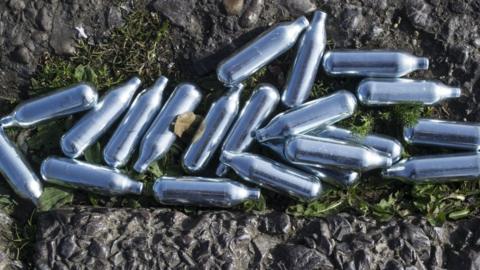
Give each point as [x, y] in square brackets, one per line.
[311, 152]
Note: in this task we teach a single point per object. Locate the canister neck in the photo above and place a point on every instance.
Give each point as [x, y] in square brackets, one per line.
[7, 121]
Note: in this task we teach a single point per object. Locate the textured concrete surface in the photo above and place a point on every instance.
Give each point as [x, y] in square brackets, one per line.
[100, 238]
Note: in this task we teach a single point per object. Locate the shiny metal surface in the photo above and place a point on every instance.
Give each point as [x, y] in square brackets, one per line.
[305, 67]
[212, 130]
[314, 151]
[62, 102]
[372, 63]
[159, 138]
[387, 145]
[261, 104]
[404, 91]
[449, 134]
[336, 177]
[97, 121]
[314, 114]
[273, 175]
[436, 168]
[17, 171]
[126, 138]
[199, 191]
[260, 51]
[80, 175]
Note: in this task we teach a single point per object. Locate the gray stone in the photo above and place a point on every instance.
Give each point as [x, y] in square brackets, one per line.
[299, 7]
[419, 12]
[362, 260]
[353, 19]
[67, 246]
[44, 19]
[276, 224]
[63, 45]
[418, 240]
[301, 257]
[22, 55]
[393, 265]
[114, 17]
[179, 13]
[233, 7]
[252, 13]
[339, 226]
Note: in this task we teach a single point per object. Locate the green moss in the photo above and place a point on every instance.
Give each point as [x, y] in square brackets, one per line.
[135, 48]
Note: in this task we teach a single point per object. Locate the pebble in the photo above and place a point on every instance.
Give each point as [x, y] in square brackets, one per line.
[276, 224]
[39, 36]
[233, 7]
[418, 11]
[353, 19]
[44, 20]
[65, 47]
[22, 55]
[251, 15]
[67, 246]
[300, 7]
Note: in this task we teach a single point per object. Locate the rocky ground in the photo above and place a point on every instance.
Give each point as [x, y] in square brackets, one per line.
[99, 238]
[202, 33]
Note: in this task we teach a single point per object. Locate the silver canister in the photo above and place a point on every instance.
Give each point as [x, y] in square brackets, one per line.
[80, 175]
[444, 133]
[373, 63]
[159, 137]
[212, 131]
[260, 51]
[436, 169]
[63, 102]
[261, 104]
[199, 191]
[17, 171]
[339, 178]
[386, 145]
[308, 116]
[273, 175]
[314, 151]
[372, 92]
[305, 67]
[97, 121]
[126, 138]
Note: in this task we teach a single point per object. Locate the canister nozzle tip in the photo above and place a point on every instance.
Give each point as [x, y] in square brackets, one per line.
[226, 157]
[140, 167]
[408, 134]
[136, 188]
[221, 170]
[303, 21]
[388, 162]
[260, 135]
[456, 92]
[254, 194]
[423, 63]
